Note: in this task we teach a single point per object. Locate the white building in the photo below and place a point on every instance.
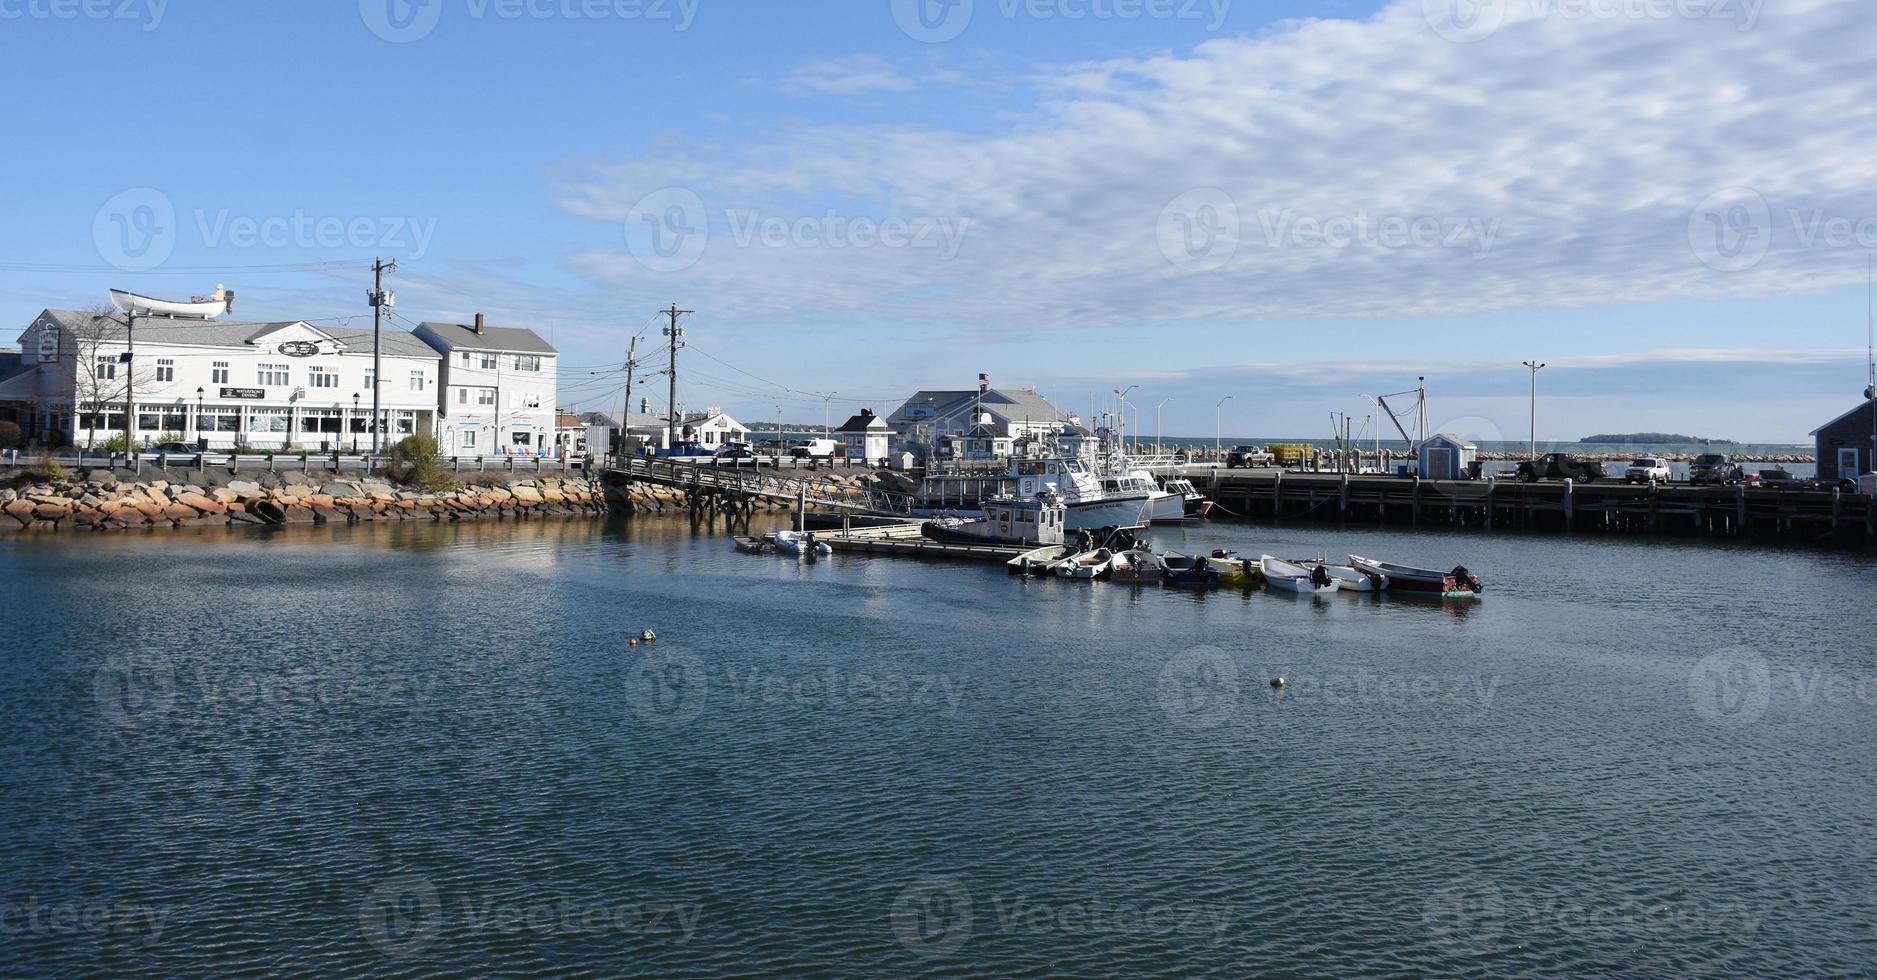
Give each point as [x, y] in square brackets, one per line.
[263, 385]
[710, 428]
[865, 437]
[498, 395]
[928, 417]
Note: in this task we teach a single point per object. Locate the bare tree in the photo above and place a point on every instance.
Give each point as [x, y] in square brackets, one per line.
[100, 375]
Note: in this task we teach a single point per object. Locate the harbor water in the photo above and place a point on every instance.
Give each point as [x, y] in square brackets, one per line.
[400, 750]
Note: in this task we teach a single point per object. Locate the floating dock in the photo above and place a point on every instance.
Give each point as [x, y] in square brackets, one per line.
[905, 539]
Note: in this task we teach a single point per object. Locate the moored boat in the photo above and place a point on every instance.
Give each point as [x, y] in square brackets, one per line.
[1185, 572]
[1092, 564]
[801, 543]
[1235, 572]
[1284, 576]
[1350, 578]
[1456, 584]
[1007, 520]
[1193, 503]
[1137, 566]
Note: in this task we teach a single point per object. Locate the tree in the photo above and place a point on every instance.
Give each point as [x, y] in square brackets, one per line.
[100, 377]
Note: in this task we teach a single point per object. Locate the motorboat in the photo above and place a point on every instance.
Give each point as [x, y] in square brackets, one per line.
[1234, 571]
[1007, 520]
[1039, 561]
[1088, 500]
[801, 543]
[754, 546]
[1350, 578]
[1184, 572]
[1194, 504]
[1091, 564]
[198, 308]
[1137, 566]
[1284, 576]
[1456, 584]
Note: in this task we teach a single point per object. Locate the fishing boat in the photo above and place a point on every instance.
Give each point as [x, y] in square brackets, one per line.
[754, 546]
[1350, 578]
[1184, 572]
[1007, 520]
[1137, 566]
[1092, 564]
[801, 543]
[1457, 584]
[1089, 500]
[1235, 572]
[1194, 504]
[199, 307]
[1284, 576]
[1039, 561]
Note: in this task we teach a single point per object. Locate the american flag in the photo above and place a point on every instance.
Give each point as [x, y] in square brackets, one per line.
[984, 383]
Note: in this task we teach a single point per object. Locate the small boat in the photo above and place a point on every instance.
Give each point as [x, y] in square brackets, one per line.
[1457, 584]
[1350, 578]
[1040, 561]
[1190, 573]
[1284, 576]
[1235, 572]
[754, 546]
[200, 307]
[801, 543]
[1091, 564]
[1007, 520]
[1194, 503]
[1137, 567]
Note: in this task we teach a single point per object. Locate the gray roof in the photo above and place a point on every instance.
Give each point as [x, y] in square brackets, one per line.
[457, 336]
[655, 420]
[235, 333]
[862, 423]
[1015, 404]
[599, 418]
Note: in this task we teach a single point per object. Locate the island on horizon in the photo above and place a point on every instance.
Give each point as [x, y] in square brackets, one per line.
[1649, 438]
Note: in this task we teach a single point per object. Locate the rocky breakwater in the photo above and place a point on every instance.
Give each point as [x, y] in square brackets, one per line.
[641, 497]
[104, 501]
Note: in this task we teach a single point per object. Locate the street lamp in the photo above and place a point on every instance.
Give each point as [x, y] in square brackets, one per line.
[355, 421]
[1535, 365]
[1217, 414]
[827, 423]
[1121, 396]
[200, 444]
[1163, 401]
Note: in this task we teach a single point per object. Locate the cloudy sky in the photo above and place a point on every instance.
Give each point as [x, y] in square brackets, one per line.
[1296, 204]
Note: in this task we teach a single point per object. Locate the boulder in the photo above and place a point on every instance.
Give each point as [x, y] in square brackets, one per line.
[328, 515]
[202, 504]
[127, 517]
[336, 489]
[297, 514]
[243, 486]
[179, 512]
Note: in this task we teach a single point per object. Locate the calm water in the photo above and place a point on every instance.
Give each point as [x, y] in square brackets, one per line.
[394, 751]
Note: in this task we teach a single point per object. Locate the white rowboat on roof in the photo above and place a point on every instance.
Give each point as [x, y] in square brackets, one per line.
[201, 309]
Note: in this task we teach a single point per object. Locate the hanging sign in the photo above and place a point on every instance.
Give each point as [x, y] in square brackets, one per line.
[298, 348]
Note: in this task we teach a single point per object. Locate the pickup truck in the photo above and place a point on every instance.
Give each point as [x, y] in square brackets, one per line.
[1716, 468]
[1248, 456]
[1560, 466]
[1645, 469]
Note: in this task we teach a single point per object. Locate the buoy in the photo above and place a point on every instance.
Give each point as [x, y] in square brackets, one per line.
[632, 643]
[1277, 682]
[648, 636]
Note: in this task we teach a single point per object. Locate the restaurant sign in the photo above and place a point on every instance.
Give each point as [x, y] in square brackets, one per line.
[244, 392]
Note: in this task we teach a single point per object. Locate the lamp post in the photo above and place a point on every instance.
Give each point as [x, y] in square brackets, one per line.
[355, 425]
[1157, 449]
[827, 423]
[1218, 412]
[1121, 434]
[200, 444]
[1535, 365]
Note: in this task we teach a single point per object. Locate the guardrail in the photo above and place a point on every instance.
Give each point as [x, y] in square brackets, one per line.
[275, 462]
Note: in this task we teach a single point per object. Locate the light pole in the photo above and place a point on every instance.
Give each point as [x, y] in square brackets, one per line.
[1121, 434]
[355, 421]
[1157, 449]
[1218, 412]
[1535, 365]
[200, 444]
[827, 423]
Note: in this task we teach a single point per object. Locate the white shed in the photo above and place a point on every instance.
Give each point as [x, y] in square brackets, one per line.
[1445, 456]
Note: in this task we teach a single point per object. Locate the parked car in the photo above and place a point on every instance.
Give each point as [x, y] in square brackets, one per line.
[1247, 456]
[1715, 468]
[1643, 469]
[736, 455]
[170, 449]
[1780, 479]
[1560, 466]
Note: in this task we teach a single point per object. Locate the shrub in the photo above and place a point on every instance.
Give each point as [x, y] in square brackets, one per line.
[414, 461]
[50, 470]
[10, 437]
[115, 444]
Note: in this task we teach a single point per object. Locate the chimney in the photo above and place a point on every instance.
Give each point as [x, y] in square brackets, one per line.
[478, 324]
[645, 406]
[866, 413]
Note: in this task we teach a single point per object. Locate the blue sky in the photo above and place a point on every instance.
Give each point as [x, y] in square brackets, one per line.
[1293, 203]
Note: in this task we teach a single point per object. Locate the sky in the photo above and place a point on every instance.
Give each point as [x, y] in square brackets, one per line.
[1296, 204]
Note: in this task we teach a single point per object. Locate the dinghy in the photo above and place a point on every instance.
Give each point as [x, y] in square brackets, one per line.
[1184, 572]
[1137, 567]
[200, 308]
[1041, 561]
[1093, 564]
[1235, 572]
[1283, 576]
[801, 543]
[1457, 584]
[1350, 578]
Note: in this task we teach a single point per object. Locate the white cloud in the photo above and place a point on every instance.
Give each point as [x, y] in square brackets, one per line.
[860, 74]
[1325, 169]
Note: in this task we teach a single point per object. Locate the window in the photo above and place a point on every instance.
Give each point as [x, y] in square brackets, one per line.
[270, 422]
[370, 378]
[524, 399]
[485, 396]
[469, 438]
[485, 361]
[462, 396]
[417, 380]
[166, 369]
[218, 373]
[405, 425]
[522, 439]
[106, 369]
[323, 377]
[527, 362]
[271, 374]
[465, 359]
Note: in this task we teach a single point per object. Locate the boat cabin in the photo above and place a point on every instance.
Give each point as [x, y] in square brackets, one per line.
[1036, 520]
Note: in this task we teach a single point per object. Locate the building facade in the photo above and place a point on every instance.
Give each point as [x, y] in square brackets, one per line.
[865, 437]
[928, 417]
[498, 389]
[1844, 444]
[710, 429]
[268, 386]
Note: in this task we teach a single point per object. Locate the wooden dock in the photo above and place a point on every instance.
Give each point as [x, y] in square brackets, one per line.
[905, 540]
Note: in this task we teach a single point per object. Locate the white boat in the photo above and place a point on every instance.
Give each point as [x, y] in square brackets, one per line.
[200, 308]
[1349, 578]
[1006, 520]
[1283, 576]
[801, 543]
[1456, 584]
[1137, 566]
[1089, 501]
[1040, 561]
[1093, 564]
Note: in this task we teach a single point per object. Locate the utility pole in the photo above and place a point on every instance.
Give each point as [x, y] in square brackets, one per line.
[625, 417]
[380, 300]
[827, 420]
[1217, 413]
[1157, 448]
[1535, 365]
[676, 333]
[130, 378]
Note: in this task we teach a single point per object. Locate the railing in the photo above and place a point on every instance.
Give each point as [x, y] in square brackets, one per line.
[755, 482]
[274, 462]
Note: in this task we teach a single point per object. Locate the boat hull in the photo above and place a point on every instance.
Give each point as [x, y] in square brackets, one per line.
[132, 303]
[1420, 581]
[1040, 561]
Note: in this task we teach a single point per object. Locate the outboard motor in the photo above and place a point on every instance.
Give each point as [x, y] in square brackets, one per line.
[1319, 577]
[1463, 577]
